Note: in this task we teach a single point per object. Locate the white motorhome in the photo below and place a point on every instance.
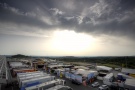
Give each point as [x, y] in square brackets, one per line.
[40, 80]
[108, 79]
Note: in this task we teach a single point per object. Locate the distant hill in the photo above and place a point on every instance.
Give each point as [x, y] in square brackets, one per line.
[19, 56]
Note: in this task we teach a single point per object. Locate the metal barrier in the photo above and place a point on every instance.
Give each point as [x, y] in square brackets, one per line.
[5, 76]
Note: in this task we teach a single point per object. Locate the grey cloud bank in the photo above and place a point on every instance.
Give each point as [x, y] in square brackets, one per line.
[111, 17]
[47, 27]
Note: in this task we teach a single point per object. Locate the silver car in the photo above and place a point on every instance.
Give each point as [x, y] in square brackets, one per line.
[103, 87]
[95, 84]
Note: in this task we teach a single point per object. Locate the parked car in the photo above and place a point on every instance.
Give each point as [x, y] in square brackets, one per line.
[95, 84]
[76, 82]
[103, 87]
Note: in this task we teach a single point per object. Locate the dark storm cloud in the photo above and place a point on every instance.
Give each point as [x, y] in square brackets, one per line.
[111, 17]
[14, 15]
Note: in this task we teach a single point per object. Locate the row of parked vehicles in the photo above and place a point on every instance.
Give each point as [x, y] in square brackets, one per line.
[122, 82]
[39, 80]
[80, 75]
[77, 76]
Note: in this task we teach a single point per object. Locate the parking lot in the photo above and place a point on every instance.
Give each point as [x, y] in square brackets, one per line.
[82, 87]
[68, 83]
[79, 87]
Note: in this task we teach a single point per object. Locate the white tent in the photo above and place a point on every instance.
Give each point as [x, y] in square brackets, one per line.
[104, 68]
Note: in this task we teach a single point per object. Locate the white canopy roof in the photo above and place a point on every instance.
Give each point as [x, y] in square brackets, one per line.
[84, 72]
[104, 68]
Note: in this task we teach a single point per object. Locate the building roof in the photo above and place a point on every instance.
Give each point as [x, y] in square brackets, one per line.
[126, 70]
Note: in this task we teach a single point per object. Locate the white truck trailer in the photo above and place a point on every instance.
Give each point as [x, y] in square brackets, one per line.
[44, 86]
[27, 75]
[32, 77]
[40, 80]
[60, 87]
[108, 79]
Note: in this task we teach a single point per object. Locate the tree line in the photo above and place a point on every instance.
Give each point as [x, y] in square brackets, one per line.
[124, 61]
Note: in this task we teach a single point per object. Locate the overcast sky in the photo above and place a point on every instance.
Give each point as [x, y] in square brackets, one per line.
[67, 27]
